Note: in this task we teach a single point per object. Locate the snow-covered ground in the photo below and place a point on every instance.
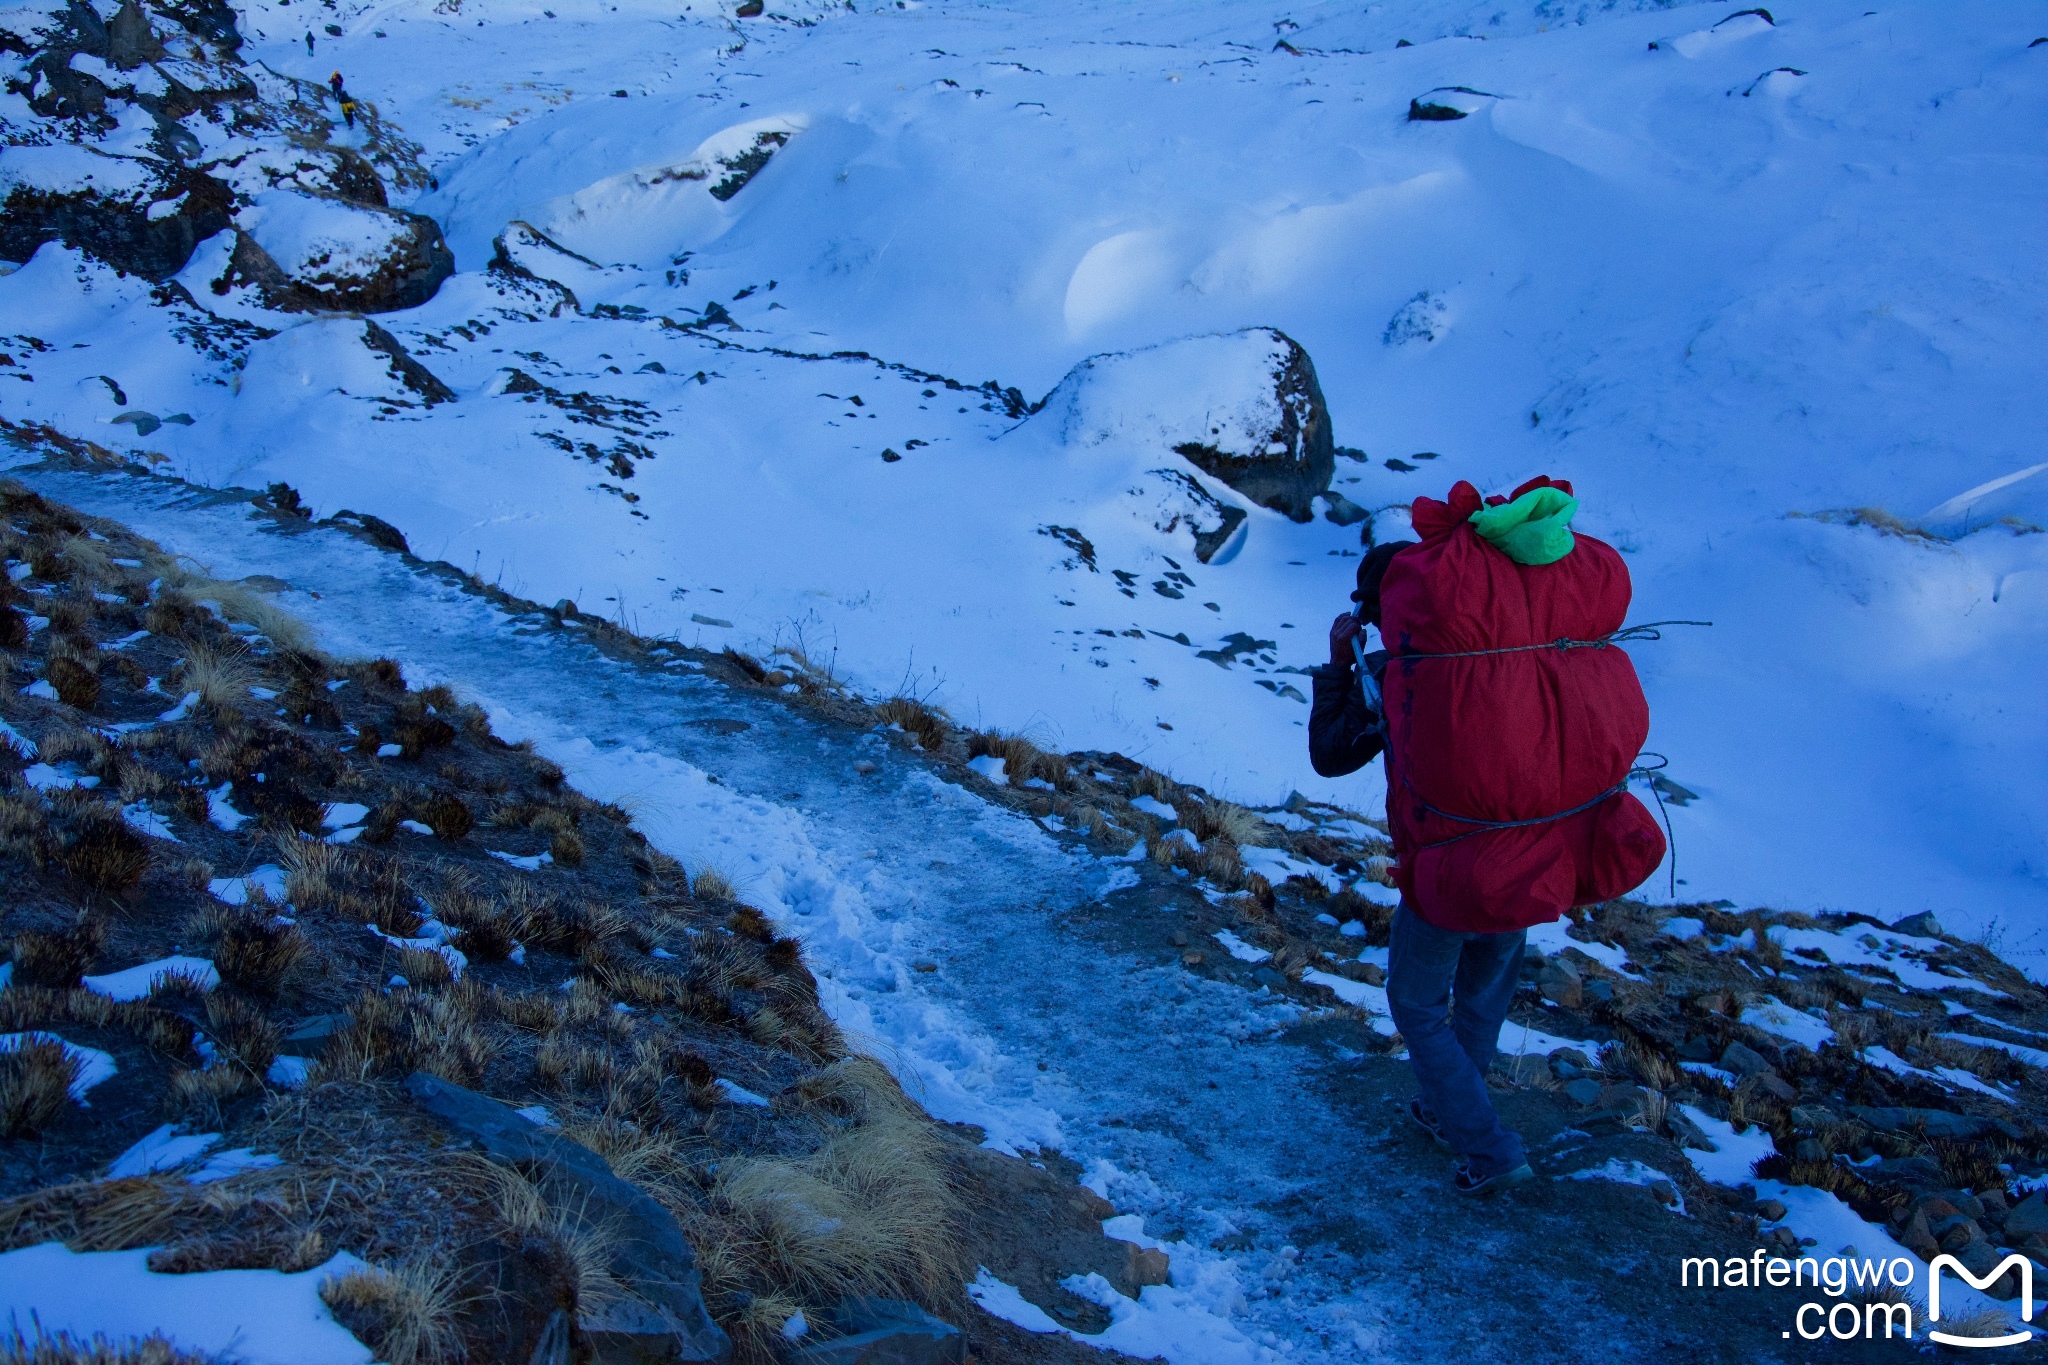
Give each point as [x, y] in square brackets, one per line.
[1732, 277]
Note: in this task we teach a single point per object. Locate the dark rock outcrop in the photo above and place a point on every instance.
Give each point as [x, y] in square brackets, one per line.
[667, 1321]
[128, 231]
[1289, 479]
[405, 369]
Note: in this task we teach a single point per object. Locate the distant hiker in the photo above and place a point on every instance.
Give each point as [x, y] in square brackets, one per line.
[1509, 735]
[348, 103]
[309, 42]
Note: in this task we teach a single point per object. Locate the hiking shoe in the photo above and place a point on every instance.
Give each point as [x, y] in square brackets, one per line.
[1468, 1183]
[1427, 1121]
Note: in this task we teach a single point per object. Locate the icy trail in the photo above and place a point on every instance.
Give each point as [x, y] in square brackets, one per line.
[1219, 1116]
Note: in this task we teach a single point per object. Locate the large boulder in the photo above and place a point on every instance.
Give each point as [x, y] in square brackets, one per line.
[1243, 407]
[319, 253]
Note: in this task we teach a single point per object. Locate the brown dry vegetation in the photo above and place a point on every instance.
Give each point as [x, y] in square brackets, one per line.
[604, 987]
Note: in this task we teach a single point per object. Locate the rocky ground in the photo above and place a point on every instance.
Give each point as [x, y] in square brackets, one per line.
[304, 961]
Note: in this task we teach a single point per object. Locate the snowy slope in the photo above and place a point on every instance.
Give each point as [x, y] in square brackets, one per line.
[1732, 277]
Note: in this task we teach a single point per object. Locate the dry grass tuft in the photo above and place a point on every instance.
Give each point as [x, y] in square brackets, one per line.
[447, 814]
[220, 679]
[869, 1212]
[424, 968]
[585, 1248]
[104, 852]
[925, 724]
[56, 959]
[36, 1076]
[244, 1035]
[1877, 519]
[76, 683]
[61, 1348]
[1156, 785]
[1649, 1066]
[238, 602]
[711, 884]
[1022, 760]
[253, 950]
[405, 1312]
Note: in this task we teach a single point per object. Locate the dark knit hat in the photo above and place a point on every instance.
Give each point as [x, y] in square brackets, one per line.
[1371, 570]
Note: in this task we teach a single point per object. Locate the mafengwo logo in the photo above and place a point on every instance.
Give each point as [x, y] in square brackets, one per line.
[1880, 1306]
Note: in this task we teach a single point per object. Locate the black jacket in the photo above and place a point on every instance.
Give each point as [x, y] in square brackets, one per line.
[1344, 733]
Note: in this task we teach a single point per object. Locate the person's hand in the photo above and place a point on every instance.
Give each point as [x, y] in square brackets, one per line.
[1343, 631]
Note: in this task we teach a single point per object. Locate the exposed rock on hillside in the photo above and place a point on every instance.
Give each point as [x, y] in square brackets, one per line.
[150, 135]
[1243, 407]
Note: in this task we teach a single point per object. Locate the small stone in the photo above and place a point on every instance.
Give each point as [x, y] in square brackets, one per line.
[1981, 1258]
[1603, 991]
[864, 767]
[1956, 1233]
[1811, 1116]
[1622, 1099]
[1571, 1056]
[1194, 957]
[1146, 1265]
[1809, 1149]
[2029, 1216]
[1178, 939]
[926, 967]
[884, 1332]
[1744, 1060]
[1770, 1210]
[1664, 1192]
[1686, 1133]
[1922, 925]
[1777, 1085]
[1582, 1091]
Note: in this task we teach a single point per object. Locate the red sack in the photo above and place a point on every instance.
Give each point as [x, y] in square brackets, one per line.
[1534, 735]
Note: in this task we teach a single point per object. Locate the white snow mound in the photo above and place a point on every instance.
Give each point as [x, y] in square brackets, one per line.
[1207, 390]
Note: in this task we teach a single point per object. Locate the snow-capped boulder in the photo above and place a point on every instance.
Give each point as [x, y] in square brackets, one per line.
[1746, 23]
[309, 253]
[1448, 102]
[1243, 407]
[646, 214]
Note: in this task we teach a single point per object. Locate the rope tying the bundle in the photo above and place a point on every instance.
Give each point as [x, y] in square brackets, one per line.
[1648, 630]
[1640, 769]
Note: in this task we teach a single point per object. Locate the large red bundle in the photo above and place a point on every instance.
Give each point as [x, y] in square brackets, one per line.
[1542, 736]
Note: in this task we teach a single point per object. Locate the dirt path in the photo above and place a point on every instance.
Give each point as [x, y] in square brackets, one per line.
[991, 962]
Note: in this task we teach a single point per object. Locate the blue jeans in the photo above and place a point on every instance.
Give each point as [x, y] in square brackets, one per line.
[1452, 1045]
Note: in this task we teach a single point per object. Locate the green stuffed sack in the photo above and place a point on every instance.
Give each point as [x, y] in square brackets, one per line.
[1533, 529]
